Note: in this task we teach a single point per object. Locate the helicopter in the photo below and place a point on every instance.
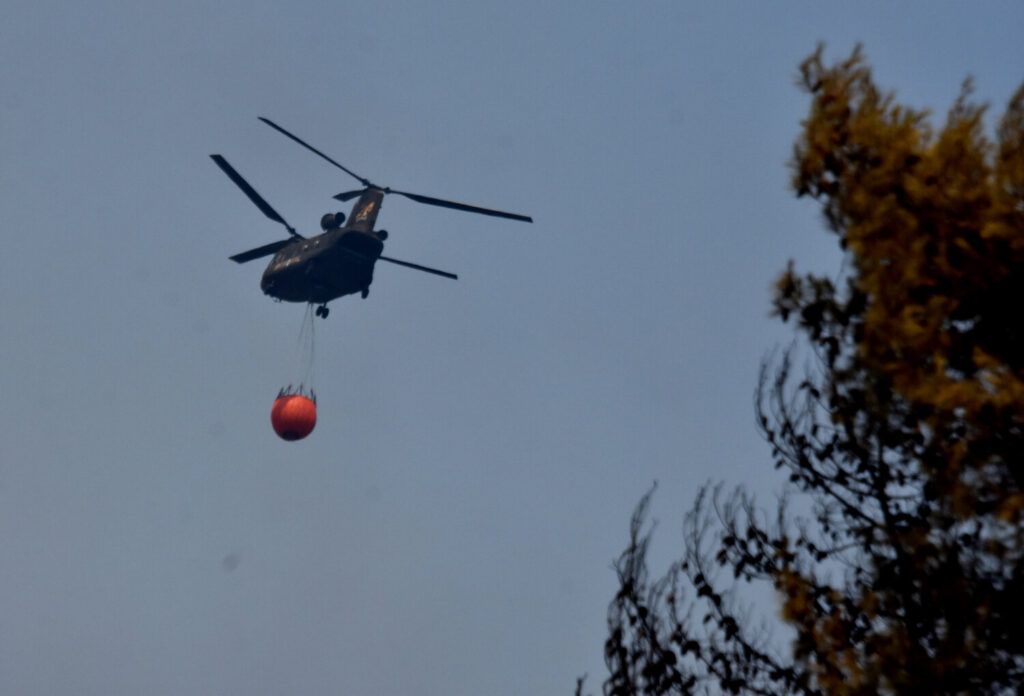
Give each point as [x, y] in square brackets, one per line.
[340, 260]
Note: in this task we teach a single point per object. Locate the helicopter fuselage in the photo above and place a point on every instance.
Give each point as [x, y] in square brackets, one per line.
[322, 268]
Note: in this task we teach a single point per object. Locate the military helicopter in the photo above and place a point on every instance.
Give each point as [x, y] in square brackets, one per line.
[340, 260]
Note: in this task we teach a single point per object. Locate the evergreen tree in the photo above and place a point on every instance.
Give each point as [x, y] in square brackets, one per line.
[904, 439]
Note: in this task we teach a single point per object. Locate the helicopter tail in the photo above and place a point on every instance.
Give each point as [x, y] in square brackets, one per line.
[364, 212]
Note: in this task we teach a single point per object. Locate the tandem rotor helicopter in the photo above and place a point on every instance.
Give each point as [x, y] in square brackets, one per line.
[340, 260]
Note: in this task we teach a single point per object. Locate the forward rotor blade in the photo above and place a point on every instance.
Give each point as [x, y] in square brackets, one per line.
[461, 206]
[259, 252]
[418, 267]
[303, 143]
[251, 193]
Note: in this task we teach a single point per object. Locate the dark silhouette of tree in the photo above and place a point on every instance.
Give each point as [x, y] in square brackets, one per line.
[903, 439]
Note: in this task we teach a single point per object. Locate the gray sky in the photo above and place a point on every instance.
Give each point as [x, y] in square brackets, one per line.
[448, 528]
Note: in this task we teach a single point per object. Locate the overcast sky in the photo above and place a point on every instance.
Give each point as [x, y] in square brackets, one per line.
[449, 526]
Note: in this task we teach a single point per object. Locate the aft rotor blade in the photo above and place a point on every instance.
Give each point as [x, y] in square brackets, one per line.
[259, 252]
[418, 267]
[429, 200]
[303, 143]
[251, 193]
[349, 195]
[461, 206]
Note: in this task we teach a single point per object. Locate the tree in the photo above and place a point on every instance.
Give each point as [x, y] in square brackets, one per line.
[903, 439]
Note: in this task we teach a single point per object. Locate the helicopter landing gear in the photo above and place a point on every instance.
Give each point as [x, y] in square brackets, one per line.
[365, 292]
[322, 311]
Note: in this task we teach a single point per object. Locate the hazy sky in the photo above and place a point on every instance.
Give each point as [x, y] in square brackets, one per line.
[448, 528]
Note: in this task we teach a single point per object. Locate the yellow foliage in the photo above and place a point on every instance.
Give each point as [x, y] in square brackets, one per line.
[932, 222]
